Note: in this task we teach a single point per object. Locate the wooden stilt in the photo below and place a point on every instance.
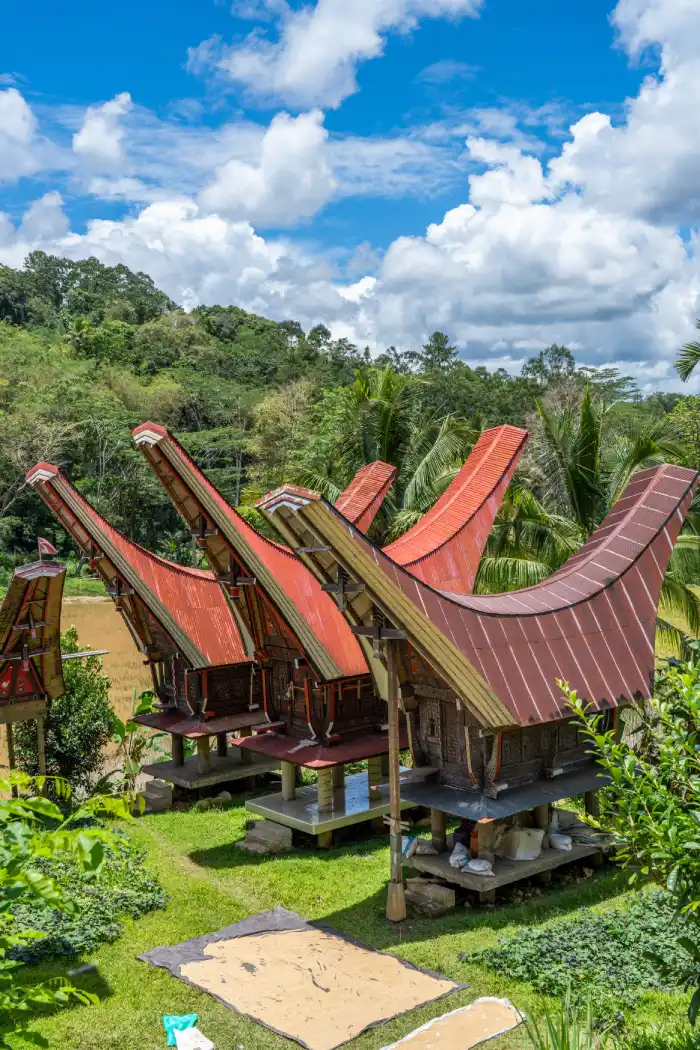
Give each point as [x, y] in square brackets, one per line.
[396, 901]
[177, 750]
[437, 827]
[325, 789]
[204, 754]
[338, 777]
[11, 753]
[487, 896]
[374, 772]
[541, 815]
[221, 745]
[289, 781]
[41, 745]
[325, 840]
[592, 803]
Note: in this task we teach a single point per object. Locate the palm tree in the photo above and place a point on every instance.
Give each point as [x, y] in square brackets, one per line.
[379, 416]
[582, 458]
[688, 358]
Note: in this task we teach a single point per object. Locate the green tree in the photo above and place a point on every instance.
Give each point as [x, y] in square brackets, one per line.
[652, 806]
[78, 724]
[688, 358]
[380, 416]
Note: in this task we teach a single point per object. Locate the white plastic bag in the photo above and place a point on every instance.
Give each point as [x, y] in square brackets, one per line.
[557, 840]
[521, 844]
[192, 1039]
[459, 856]
[479, 867]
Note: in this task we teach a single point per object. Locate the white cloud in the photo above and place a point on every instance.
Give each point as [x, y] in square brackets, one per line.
[445, 70]
[292, 179]
[101, 135]
[314, 59]
[18, 129]
[44, 220]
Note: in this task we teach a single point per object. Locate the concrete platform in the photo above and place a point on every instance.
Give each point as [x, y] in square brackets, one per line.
[351, 806]
[191, 776]
[505, 871]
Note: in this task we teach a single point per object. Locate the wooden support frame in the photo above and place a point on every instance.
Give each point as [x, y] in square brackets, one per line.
[396, 899]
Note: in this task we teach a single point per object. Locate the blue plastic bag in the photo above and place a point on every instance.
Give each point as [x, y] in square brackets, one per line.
[172, 1024]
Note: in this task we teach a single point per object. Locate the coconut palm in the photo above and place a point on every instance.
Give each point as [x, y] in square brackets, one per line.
[379, 416]
[687, 359]
[582, 458]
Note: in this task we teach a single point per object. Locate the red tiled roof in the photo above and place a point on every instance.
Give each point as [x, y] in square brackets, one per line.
[315, 608]
[365, 494]
[444, 548]
[191, 596]
[592, 623]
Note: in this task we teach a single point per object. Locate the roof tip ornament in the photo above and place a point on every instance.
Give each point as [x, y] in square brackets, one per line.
[148, 434]
[41, 472]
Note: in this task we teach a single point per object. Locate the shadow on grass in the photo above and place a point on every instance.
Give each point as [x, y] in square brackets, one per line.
[32, 975]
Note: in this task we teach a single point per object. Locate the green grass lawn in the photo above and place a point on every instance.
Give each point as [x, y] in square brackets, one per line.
[212, 884]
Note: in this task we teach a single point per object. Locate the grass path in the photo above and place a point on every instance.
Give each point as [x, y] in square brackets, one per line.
[211, 884]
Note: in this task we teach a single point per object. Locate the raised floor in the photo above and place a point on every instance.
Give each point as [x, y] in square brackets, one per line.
[222, 769]
[352, 804]
[505, 871]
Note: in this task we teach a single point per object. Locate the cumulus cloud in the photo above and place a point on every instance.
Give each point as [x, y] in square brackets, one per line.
[18, 130]
[101, 135]
[292, 179]
[313, 60]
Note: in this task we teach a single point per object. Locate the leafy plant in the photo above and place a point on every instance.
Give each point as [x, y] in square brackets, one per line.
[32, 830]
[77, 726]
[567, 1028]
[122, 887]
[133, 742]
[652, 806]
[601, 957]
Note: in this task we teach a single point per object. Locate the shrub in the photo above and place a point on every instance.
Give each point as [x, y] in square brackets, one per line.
[77, 726]
[122, 888]
[599, 955]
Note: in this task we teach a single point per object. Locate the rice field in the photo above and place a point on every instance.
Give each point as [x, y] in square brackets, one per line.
[100, 626]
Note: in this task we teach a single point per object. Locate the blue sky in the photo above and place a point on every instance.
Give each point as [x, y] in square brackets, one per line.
[512, 173]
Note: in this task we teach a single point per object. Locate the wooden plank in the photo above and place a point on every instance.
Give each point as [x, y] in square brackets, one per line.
[505, 871]
[396, 900]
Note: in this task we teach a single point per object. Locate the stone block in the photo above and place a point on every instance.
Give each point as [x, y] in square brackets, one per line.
[276, 838]
[430, 898]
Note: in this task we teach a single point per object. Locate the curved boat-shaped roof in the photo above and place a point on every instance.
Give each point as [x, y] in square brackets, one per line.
[592, 623]
[444, 548]
[30, 623]
[289, 598]
[365, 494]
[187, 603]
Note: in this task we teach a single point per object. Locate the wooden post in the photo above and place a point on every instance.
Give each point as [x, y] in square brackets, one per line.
[289, 781]
[592, 803]
[541, 815]
[338, 776]
[221, 745]
[41, 745]
[11, 753]
[374, 773]
[325, 789]
[396, 901]
[437, 827]
[203, 754]
[177, 750]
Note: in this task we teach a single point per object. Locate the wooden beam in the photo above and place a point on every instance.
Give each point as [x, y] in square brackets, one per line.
[396, 900]
[21, 711]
